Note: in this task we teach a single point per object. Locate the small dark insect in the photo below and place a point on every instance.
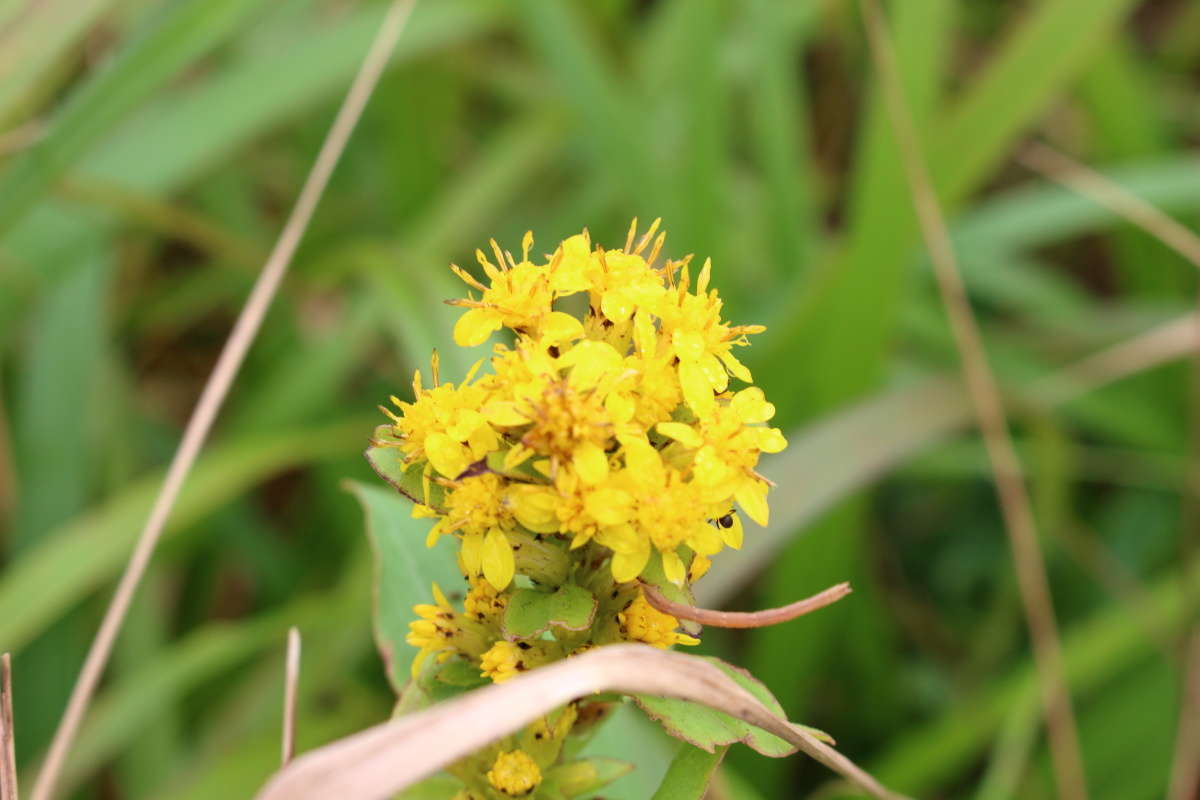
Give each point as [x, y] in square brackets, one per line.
[725, 521]
[552, 350]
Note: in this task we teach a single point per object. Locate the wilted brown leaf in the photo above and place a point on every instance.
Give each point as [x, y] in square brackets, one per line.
[380, 761]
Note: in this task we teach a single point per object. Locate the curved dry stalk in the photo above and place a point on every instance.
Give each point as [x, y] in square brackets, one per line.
[380, 761]
[985, 398]
[291, 684]
[745, 619]
[8, 753]
[217, 386]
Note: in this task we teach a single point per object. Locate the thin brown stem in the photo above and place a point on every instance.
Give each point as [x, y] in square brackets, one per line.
[1014, 500]
[217, 386]
[1052, 164]
[1185, 765]
[8, 753]
[1185, 770]
[745, 619]
[291, 682]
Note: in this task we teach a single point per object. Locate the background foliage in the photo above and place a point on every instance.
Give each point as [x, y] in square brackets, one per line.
[148, 151]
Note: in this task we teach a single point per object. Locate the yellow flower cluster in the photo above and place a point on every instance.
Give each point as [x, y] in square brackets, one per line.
[618, 427]
[605, 442]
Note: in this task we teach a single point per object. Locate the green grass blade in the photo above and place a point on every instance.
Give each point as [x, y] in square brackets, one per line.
[81, 556]
[185, 33]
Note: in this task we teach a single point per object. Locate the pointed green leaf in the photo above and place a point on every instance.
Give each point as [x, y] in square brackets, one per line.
[709, 729]
[404, 570]
[586, 775]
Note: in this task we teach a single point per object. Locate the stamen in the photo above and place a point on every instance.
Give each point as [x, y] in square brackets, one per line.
[647, 236]
[498, 253]
[658, 243]
[629, 237]
[467, 277]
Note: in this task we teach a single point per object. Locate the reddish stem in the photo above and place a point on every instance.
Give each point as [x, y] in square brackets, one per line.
[745, 619]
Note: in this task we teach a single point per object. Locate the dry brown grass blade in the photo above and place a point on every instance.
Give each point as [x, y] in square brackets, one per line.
[1091, 184]
[380, 761]
[1185, 765]
[985, 398]
[8, 753]
[745, 619]
[1185, 768]
[291, 685]
[217, 386]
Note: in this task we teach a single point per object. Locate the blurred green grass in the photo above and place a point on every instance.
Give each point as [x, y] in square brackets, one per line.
[173, 138]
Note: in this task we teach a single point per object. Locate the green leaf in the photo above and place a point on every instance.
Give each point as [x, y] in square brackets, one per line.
[531, 613]
[586, 775]
[708, 729]
[690, 772]
[439, 787]
[387, 460]
[404, 570]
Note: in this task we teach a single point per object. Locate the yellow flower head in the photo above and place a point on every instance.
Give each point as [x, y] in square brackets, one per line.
[642, 622]
[514, 774]
[502, 662]
[434, 630]
[626, 434]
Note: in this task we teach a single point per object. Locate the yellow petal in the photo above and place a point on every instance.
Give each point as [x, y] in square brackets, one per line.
[475, 326]
[684, 434]
[504, 413]
[718, 378]
[590, 361]
[499, 566]
[751, 405]
[642, 460]
[673, 568]
[689, 345]
[752, 497]
[472, 553]
[705, 539]
[609, 506]
[697, 390]
[446, 455]
[736, 368]
[770, 440]
[558, 326]
[734, 534]
[698, 569]
[627, 566]
[645, 337]
[709, 469]
[591, 464]
[620, 408]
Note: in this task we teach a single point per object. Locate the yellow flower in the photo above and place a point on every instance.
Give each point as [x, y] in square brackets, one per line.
[726, 445]
[434, 631]
[642, 622]
[483, 602]
[519, 297]
[444, 425]
[502, 661]
[514, 774]
[702, 341]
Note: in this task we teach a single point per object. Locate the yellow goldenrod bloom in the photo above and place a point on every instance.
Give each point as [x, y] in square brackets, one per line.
[645, 623]
[514, 774]
[501, 662]
[434, 629]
